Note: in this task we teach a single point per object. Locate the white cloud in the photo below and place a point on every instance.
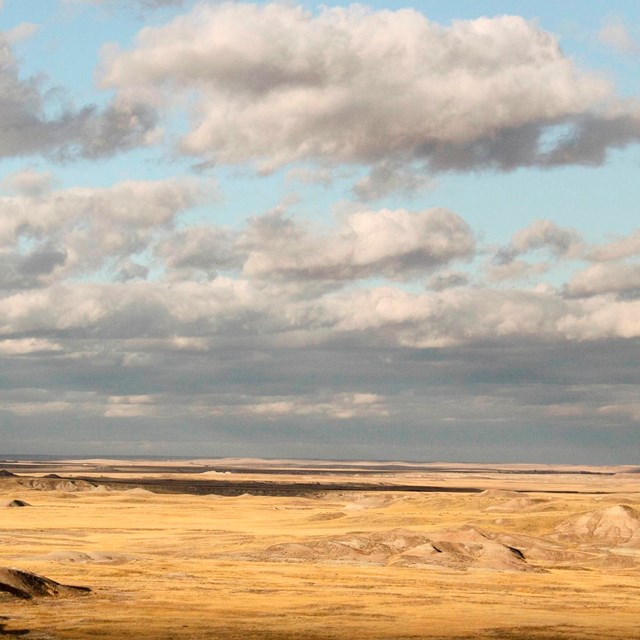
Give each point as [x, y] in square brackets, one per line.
[22, 31]
[599, 279]
[616, 249]
[615, 34]
[274, 83]
[39, 408]
[515, 270]
[368, 243]
[28, 182]
[342, 406]
[26, 346]
[131, 4]
[631, 411]
[83, 229]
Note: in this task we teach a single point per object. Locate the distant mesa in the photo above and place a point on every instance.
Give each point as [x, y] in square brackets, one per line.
[55, 476]
[15, 503]
[23, 584]
[615, 525]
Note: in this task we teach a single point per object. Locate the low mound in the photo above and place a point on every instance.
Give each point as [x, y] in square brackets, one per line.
[498, 493]
[15, 503]
[546, 552]
[456, 550]
[371, 502]
[470, 547]
[516, 504]
[100, 557]
[6, 474]
[22, 584]
[615, 525]
[323, 517]
[138, 491]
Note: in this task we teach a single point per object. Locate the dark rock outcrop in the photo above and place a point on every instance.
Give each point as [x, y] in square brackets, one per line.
[23, 584]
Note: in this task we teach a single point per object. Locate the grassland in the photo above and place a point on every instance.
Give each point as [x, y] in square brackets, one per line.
[520, 552]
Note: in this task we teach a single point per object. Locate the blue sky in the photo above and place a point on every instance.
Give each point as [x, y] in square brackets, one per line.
[391, 230]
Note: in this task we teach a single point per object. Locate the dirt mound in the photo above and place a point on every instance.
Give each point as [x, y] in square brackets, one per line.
[517, 504]
[498, 493]
[82, 557]
[470, 547]
[545, 552]
[466, 535]
[6, 474]
[457, 550]
[29, 585]
[371, 502]
[323, 517]
[614, 526]
[15, 503]
[138, 491]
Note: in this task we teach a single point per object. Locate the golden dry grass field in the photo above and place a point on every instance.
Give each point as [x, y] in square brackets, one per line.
[526, 555]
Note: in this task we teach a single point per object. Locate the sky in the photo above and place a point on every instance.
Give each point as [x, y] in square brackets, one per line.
[343, 231]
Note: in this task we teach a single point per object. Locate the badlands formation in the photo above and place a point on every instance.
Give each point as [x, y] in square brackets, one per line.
[224, 549]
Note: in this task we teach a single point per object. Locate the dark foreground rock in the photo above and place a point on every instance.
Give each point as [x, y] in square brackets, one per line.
[23, 584]
[16, 503]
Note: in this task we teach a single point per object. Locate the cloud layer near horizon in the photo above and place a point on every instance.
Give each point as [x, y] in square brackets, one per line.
[107, 280]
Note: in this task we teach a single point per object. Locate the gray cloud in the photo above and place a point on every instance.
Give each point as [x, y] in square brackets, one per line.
[447, 280]
[203, 249]
[545, 234]
[388, 177]
[516, 399]
[558, 242]
[29, 270]
[27, 129]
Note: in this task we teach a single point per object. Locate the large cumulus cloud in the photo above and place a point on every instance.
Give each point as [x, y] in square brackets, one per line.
[274, 84]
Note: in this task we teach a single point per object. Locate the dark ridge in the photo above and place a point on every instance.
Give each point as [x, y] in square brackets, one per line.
[260, 488]
[25, 585]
